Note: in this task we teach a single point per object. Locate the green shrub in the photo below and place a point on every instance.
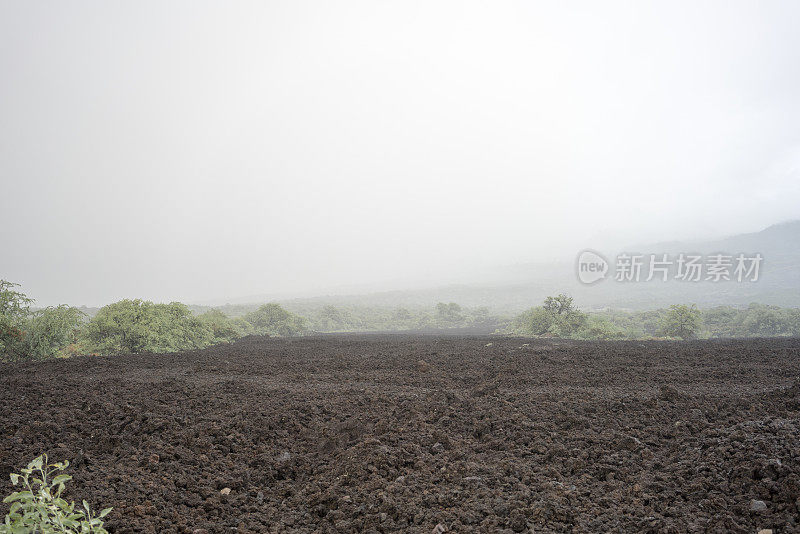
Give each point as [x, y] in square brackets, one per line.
[448, 315]
[600, 328]
[557, 317]
[14, 308]
[272, 320]
[223, 328]
[38, 507]
[681, 321]
[131, 326]
[49, 331]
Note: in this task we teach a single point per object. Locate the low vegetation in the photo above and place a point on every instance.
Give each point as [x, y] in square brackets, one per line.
[557, 317]
[38, 508]
[136, 326]
[125, 327]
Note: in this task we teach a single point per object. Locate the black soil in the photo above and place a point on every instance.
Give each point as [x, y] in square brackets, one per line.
[403, 433]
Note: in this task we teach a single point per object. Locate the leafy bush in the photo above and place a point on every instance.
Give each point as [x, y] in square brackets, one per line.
[49, 331]
[332, 319]
[272, 320]
[681, 321]
[38, 507]
[14, 308]
[557, 317]
[132, 326]
[449, 315]
[766, 321]
[600, 328]
[223, 329]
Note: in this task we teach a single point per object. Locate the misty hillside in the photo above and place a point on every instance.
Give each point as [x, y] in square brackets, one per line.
[518, 287]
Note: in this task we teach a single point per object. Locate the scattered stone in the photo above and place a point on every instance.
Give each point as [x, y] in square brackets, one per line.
[154, 459]
[199, 531]
[438, 529]
[400, 479]
[489, 344]
[757, 506]
[765, 531]
[260, 497]
[473, 479]
[423, 366]
[225, 491]
[285, 456]
[437, 448]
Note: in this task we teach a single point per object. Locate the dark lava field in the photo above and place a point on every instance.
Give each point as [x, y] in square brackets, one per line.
[419, 433]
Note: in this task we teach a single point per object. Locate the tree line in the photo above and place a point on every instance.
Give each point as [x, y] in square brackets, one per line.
[127, 326]
[135, 326]
[558, 317]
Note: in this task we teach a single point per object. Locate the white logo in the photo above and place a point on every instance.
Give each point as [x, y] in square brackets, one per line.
[591, 266]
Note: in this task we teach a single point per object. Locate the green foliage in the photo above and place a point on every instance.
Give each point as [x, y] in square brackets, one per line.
[755, 320]
[635, 325]
[49, 331]
[14, 309]
[681, 321]
[597, 327]
[329, 318]
[38, 507]
[132, 326]
[223, 329]
[533, 322]
[768, 321]
[722, 322]
[557, 317]
[272, 320]
[449, 315]
[560, 305]
[26, 335]
[719, 322]
[332, 319]
[401, 315]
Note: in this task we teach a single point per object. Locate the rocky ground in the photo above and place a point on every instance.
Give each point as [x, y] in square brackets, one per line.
[421, 433]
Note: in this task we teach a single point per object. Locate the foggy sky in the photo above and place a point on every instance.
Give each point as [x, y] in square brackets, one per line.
[206, 150]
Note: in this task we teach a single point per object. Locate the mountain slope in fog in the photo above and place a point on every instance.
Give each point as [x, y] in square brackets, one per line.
[521, 286]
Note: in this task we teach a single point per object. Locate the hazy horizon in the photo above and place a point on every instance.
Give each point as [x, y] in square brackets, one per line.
[201, 151]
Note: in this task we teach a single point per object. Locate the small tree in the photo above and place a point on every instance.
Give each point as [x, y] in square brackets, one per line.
[272, 320]
[14, 310]
[534, 322]
[131, 326]
[560, 305]
[600, 328]
[449, 314]
[50, 330]
[681, 321]
[767, 321]
[332, 319]
[556, 317]
[223, 329]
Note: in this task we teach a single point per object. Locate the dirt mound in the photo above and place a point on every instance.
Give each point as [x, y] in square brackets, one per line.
[355, 434]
